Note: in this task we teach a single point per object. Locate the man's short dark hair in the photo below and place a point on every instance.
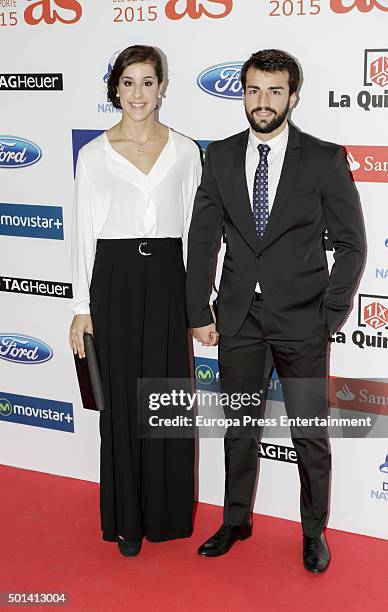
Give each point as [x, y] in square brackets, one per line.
[273, 60]
[137, 54]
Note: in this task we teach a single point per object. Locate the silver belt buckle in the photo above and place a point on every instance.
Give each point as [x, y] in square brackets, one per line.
[141, 251]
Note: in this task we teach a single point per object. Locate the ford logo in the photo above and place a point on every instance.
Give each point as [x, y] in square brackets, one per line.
[23, 349]
[222, 81]
[18, 152]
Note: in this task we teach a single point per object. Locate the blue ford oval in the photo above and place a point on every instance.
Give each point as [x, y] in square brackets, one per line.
[24, 349]
[18, 152]
[222, 80]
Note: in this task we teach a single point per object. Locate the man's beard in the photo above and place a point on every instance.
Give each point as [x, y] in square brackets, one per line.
[264, 126]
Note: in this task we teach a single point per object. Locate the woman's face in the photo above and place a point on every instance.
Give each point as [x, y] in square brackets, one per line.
[138, 89]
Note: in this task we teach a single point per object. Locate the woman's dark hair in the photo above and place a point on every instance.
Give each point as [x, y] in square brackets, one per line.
[137, 54]
[273, 60]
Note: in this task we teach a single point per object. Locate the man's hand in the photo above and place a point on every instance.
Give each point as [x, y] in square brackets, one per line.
[81, 324]
[207, 336]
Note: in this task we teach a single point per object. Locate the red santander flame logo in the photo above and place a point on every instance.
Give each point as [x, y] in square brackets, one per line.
[42, 10]
[364, 6]
[176, 9]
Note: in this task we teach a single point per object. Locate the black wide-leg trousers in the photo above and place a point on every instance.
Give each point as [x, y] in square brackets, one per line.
[302, 370]
[140, 330]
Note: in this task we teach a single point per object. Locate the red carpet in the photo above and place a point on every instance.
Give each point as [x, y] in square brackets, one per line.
[50, 542]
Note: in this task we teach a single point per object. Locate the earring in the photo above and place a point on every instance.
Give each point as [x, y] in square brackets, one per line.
[117, 95]
[156, 106]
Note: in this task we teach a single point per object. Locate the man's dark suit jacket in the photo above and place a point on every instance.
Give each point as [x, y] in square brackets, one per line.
[315, 192]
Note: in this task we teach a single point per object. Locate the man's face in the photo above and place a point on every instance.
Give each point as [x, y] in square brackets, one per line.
[267, 99]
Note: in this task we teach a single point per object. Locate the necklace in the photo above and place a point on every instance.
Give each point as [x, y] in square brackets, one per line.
[140, 145]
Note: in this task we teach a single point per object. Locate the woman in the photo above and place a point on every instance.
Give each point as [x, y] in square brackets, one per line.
[135, 186]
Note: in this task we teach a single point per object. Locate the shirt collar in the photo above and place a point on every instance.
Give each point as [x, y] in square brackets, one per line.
[277, 143]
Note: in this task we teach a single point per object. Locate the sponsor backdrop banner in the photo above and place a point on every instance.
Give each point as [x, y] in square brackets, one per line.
[56, 57]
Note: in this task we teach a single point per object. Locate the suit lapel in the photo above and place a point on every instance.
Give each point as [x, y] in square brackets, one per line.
[287, 176]
[241, 213]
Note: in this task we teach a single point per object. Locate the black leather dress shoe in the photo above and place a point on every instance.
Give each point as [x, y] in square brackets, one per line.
[222, 541]
[129, 549]
[316, 554]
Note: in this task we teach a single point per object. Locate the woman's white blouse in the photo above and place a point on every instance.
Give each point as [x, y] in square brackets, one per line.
[113, 199]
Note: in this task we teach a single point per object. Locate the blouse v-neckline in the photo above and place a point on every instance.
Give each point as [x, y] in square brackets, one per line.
[131, 164]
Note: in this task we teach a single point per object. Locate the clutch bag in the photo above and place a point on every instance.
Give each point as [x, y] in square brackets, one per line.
[89, 377]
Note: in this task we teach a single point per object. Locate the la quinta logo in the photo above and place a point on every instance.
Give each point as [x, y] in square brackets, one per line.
[375, 74]
[5, 407]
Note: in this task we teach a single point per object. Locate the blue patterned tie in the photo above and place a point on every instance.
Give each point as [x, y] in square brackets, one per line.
[260, 192]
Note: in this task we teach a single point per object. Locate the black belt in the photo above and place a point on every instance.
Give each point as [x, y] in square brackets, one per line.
[257, 297]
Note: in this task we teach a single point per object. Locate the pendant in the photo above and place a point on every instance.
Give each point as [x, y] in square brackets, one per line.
[140, 149]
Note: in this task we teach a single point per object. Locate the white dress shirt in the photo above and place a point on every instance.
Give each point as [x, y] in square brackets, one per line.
[278, 146]
[114, 199]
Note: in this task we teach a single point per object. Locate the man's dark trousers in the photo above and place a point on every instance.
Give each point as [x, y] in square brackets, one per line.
[302, 369]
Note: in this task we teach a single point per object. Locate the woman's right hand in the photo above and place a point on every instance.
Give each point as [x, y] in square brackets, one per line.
[81, 324]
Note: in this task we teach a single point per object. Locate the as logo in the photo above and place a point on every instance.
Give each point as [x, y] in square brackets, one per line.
[5, 407]
[175, 9]
[364, 6]
[204, 374]
[42, 11]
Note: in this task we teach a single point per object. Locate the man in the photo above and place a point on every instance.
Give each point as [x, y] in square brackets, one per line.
[273, 191]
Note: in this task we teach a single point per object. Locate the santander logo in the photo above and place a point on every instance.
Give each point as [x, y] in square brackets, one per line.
[36, 12]
[215, 9]
[368, 164]
[364, 6]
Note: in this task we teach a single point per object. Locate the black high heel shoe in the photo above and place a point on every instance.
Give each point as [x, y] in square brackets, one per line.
[128, 549]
